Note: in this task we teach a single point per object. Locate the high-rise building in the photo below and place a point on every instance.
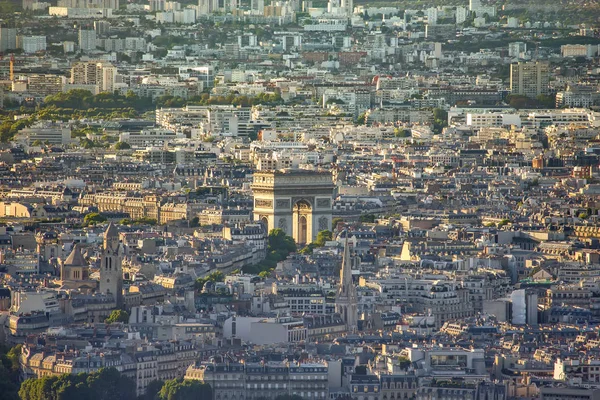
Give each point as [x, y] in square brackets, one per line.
[461, 14]
[8, 39]
[87, 39]
[101, 27]
[96, 4]
[31, 44]
[348, 6]
[159, 5]
[516, 49]
[111, 270]
[524, 307]
[346, 298]
[102, 74]
[530, 78]
[45, 85]
[257, 6]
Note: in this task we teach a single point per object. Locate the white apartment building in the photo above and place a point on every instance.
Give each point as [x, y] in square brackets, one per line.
[31, 44]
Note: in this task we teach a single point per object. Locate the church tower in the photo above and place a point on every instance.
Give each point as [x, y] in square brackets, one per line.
[345, 300]
[111, 269]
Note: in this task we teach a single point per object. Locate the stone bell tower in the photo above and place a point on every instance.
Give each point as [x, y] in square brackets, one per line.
[111, 268]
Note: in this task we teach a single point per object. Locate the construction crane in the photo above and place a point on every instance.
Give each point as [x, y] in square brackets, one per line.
[12, 68]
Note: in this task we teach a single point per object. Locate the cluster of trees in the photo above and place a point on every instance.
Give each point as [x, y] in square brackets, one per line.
[84, 99]
[117, 316]
[54, 113]
[335, 222]
[367, 218]
[93, 218]
[90, 144]
[78, 99]
[9, 372]
[216, 276]
[122, 146]
[106, 384]
[9, 127]
[139, 221]
[402, 133]
[542, 101]
[440, 120]
[109, 384]
[180, 389]
[279, 247]
[80, 104]
[322, 238]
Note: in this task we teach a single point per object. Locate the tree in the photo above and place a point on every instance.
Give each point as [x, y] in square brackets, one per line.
[185, 389]
[9, 372]
[503, 222]
[335, 222]
[440, 120]
[361, 119]
[279, 247]
[279, 241]
[308, 249]
[152, 390]
[122, 146]
[106, 384]
[519, 101]
[401, 133]
[367, 218]
[215, 276]
[265, 274]
[93, 218]
[117, 316]
[322, 237]
[583, 215]
[546, 101]
[403, 362]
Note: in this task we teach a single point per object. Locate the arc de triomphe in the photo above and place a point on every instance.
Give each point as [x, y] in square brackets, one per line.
[297, 201]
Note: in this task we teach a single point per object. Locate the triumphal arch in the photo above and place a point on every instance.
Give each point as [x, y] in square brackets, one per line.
[296, 200]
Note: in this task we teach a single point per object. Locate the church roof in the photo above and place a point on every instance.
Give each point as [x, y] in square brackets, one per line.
[75, 259]
[111, 231]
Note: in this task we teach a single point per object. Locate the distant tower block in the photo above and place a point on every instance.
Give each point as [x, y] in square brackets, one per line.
[297, 201]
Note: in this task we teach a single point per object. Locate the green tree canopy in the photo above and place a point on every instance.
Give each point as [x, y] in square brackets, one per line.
[118, 316]
[279, 247]
[152, 390]
[106, 384]
[335, 222]
[93, 218]
[215, 276]
[185, 389]
[278, 241]
[122, 146]
[322, 237]
[9, 372]
[367, 218]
